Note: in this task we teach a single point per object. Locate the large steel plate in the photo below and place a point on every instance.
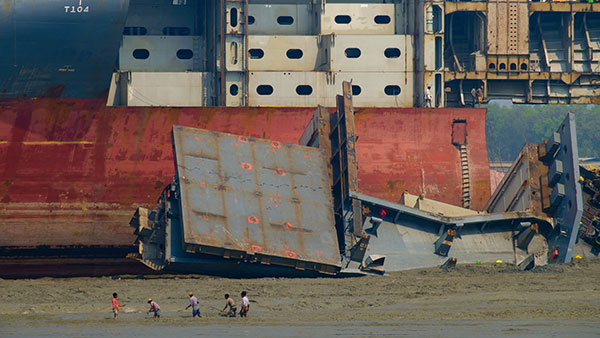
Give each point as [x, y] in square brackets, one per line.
[262, 198]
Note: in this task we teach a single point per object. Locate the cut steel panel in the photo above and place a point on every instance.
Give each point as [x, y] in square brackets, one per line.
[274, 19]
[406, 235]
[567, 218]
[372, 53]
[162, 53]
[362, 19]
[369, 87]
[167, 88]
[275, 49]
[254, 196]
[519, 189]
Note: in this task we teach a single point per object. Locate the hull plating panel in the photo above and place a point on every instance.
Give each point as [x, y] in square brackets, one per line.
[254, 196]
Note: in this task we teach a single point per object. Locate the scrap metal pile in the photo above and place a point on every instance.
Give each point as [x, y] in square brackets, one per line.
[590, 221]
[241, 206]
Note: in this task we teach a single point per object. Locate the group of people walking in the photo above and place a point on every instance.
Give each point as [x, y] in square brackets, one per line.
[230, 306]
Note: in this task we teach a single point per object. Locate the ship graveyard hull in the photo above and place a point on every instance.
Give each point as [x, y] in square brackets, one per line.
[73, 169]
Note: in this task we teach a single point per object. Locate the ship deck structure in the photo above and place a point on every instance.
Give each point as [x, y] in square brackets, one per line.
[298, 52]
[89, 92]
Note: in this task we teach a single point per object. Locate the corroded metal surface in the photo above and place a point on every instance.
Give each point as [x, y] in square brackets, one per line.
[253, 195]
[71, 170]
[411, 149]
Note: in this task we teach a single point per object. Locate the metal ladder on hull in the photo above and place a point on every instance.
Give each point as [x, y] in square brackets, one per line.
[466, 181]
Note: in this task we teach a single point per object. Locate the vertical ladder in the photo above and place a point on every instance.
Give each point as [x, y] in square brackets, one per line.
[466, 181]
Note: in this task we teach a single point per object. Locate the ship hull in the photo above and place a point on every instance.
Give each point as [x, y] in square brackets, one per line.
[59, 48]
[73, 170]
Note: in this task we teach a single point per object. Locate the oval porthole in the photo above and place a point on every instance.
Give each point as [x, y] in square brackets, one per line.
[342, 19]
[392, 90]
[382, 19]
[182, 31]
[294, 53]
[285, 20]
[233, 89]
[256, 53]
[352, 53]
[250, 20]
[233, 17]
[135, 31]
[141, 54]
[185, 54]
[304, 90]
[264, 90]
[356, 90]
[392, 53]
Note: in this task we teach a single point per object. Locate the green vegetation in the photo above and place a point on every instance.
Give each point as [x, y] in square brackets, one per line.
[509, 127]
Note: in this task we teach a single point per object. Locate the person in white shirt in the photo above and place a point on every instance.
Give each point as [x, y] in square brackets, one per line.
[428, 97]
[245, 305]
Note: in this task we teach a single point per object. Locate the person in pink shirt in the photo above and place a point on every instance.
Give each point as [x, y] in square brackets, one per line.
[116, 306]
[154, 308]
[194, 305]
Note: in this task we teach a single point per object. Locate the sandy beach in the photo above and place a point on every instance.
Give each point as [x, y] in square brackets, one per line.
[469, 300]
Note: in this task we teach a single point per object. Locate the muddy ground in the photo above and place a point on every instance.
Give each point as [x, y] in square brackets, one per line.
[566, 295]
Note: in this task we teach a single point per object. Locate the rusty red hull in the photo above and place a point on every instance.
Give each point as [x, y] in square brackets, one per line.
[72, 171]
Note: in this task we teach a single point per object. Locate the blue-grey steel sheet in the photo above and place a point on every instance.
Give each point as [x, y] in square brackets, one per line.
[568, 213]
[407, 235]
[254, 195]
[408, 248]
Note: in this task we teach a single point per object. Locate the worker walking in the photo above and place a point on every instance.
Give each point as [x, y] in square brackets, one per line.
[229, 302]
[245, 305]
[480, 95]
[428, 97]
[194, 305]
[474, 96]
[154, 308]
[116, 306]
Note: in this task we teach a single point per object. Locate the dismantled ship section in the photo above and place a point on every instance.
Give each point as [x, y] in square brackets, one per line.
[254, 207]
[529, 52]
[73, 169]
[297, 53]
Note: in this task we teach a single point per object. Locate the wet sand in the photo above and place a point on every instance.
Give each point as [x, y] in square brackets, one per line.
[470, 300]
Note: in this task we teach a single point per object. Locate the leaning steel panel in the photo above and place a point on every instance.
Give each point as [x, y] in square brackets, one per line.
[244, 197]
[566, 204]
